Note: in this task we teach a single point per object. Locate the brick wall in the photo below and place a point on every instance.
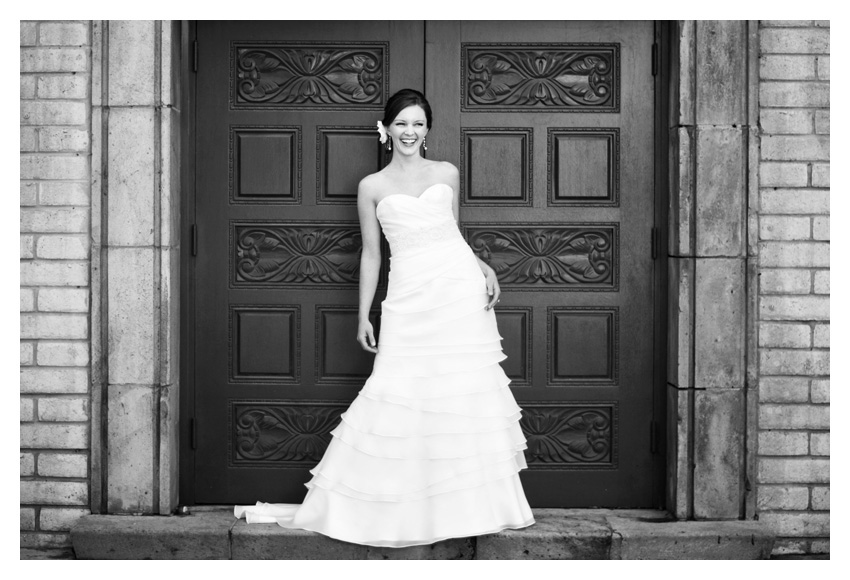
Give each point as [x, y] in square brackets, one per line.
[793, 423]
[55, 322]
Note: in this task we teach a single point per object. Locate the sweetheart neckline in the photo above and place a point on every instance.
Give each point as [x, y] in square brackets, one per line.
[377, 205]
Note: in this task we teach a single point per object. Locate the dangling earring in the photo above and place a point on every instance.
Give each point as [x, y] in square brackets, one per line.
[424, 144]
[389, 144]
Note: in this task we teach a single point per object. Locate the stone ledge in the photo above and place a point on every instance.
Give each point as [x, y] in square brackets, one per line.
[559, 534]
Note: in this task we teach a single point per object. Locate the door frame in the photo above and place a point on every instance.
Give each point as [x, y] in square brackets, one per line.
[657, 433]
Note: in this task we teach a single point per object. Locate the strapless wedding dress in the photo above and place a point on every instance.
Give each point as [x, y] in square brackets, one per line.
[431, 447]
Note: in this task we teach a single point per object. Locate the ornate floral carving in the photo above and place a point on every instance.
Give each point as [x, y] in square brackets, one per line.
[560, 257]
[270, 432]
[311, 75]
[309, 254]
[568, 435]
[574, 77]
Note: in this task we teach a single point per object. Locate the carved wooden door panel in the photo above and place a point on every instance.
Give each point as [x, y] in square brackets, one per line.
[552, 127]
[286, 116]
[552, 123]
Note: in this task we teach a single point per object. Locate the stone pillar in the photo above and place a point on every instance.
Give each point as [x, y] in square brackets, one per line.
[135, 143]
[711, 131]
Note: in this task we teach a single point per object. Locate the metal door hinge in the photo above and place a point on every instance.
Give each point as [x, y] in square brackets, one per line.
[194, 240]
[654, 243]
[654, 58]
[193, 434]
[653, 437]
[195, 56]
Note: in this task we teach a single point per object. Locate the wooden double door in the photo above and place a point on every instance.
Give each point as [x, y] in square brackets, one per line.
[552, 126]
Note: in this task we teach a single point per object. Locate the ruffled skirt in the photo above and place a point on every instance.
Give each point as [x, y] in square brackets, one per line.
[431, 447]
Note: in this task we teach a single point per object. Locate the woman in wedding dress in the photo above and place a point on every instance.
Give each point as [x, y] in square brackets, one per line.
[431, 447]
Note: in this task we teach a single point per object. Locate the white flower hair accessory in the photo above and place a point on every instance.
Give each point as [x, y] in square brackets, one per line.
[383, 131]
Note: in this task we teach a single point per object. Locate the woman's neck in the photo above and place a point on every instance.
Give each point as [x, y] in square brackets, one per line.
[407, 164]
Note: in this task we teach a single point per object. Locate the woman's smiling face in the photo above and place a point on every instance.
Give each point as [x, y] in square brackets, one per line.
[408, 130]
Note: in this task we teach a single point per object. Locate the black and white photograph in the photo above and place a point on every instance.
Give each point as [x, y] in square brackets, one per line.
[453, 289]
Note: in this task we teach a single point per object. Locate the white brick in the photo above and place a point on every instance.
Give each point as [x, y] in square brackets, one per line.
[63, 247]
[64, 193]
[794, 417]
[787, 67]
[793, 470]
[770, 334]
[27, 464]
[63, 86]
[794, 362]
[795, 148]
[62, 465]
[27, 518]
[54, 326]
[771, 497]
[62, 34]
[29, 139]
[63, 409]
[794, 254]
[822, 282]
[52, 273]
[820, 175]
[793, 94]
[27, 299]
[819, 547]
[53, 113]
[784, 228]
[29, 33]
[794, 41]
[794, 307]
[27, 247]
[63, 300]
[29, 193]
[794, 201]
[820, 228]
[60, 520]
[61, 139]
[28, 86]
[69, 166]
[820, 391]
[784, 281]
[53, 436]
[822, 122]
[820, 444]
[54, 60]
[26, 353]
[54, 492]
[63, 354]
[786, 121]
[823, 68]
[783, 390]
[820, 498]
[55, 220]
[775, 174]
[821, 336]
[54, 380]
[27, 409]
[783, 443]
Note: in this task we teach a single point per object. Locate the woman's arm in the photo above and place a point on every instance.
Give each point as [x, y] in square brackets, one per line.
[370, 264]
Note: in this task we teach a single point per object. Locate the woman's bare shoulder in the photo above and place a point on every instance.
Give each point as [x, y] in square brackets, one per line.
[446, 169]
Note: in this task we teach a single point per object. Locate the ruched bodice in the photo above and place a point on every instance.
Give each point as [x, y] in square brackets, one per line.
[431, 446]
[410, 222]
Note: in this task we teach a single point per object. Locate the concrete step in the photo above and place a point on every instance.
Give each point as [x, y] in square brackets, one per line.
[559, 534]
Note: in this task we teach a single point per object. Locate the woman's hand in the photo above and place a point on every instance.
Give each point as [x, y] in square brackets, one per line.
[492, 286]
[366, 337]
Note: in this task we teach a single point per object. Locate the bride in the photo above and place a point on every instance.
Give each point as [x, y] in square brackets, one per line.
[431, 447]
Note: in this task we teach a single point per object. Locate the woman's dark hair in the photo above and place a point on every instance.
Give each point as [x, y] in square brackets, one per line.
[403, 99]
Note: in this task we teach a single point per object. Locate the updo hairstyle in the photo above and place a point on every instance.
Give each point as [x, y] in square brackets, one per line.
[403, 99]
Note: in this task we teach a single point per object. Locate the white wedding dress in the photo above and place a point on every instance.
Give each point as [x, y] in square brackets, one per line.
[431, 447]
